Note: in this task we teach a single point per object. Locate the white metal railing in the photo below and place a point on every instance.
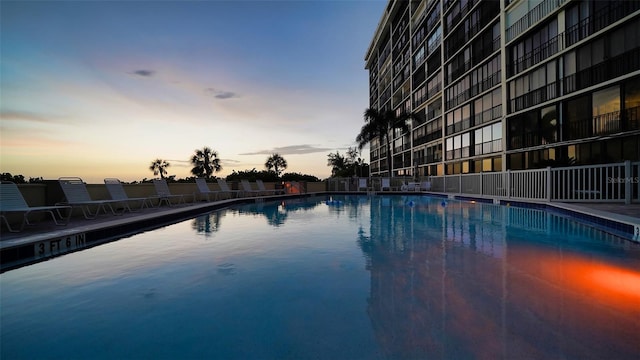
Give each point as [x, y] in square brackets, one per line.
[591, 183]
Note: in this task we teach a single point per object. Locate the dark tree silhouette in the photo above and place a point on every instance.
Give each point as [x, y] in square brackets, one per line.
[378, 124]
[205, 162]
[277, 163]
[159, 167]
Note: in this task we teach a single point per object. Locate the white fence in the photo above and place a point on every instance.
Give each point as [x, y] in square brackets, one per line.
[592, 183]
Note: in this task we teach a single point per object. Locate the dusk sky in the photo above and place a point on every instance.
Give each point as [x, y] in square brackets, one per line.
[100, 89]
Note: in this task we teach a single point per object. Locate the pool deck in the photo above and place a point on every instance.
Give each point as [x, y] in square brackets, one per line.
[82, 233]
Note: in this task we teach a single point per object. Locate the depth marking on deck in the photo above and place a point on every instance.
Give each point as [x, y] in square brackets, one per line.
[59, 246]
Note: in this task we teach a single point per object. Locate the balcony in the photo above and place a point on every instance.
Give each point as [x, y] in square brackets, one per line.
[605, 124]
[538, 54]
[609, 69]
[612, 12]
[535, 97]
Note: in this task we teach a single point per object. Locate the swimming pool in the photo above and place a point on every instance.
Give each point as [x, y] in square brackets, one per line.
[342, 277]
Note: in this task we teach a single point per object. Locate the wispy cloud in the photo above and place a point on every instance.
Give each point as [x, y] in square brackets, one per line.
[291, 150]
[221, 94]
[144, 72]
[28, 116]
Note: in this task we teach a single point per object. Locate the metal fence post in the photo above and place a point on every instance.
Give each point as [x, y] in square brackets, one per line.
[508, 183]
[548, 173]
[628, 180]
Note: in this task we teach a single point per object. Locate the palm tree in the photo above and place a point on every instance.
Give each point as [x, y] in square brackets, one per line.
[159, 166]
[339, 164]
[205, 162]
[277, 163]
[378, 125]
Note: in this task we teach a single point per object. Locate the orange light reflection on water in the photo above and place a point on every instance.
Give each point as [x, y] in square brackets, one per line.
[611, 285]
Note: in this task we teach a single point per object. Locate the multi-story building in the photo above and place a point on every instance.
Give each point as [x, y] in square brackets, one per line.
[506, 84]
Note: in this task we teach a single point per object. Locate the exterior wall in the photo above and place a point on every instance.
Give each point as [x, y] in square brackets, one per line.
[506, 85]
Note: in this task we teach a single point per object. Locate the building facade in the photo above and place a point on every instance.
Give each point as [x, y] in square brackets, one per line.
[506, 84]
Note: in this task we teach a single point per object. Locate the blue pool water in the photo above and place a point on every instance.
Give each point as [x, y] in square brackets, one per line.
[335, 278]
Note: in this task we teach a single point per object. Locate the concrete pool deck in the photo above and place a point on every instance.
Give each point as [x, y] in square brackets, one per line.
[45, 239]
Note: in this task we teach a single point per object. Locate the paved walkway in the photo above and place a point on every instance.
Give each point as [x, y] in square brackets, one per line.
[632, 210]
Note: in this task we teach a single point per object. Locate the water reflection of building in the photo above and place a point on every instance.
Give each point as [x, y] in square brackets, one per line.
[443, 286]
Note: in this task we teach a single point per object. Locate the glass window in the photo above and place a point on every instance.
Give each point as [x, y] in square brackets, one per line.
[465, 167]
[497, 163]
[551, 72]
[570, 63]
[606, 101]
[597, 51]
[478, 136]
[497, 131]
[486, 164]
[486, 133]
[584, 57]
[632, 94]
[617, 42]
[549, 124]
[497, 97]
[465, 139]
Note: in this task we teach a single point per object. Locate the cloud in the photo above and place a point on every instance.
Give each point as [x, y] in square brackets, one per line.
[291, 150]
[144, 73]
[29, 117]
[221, 94]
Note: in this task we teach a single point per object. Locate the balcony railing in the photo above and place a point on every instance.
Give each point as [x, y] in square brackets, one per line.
[537, 13]
[611, 68]
[610, 13]
[537, 55]
[535, 97]
[605, 124]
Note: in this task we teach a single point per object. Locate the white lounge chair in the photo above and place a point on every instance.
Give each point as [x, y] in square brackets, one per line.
[203, 189]
[362, 184]
[385, 183]
[163, 194]
[117, 192]
[247, 190]
[410, 186]
[224, 188]
[76, 195]
[264, 189]
[12, 201]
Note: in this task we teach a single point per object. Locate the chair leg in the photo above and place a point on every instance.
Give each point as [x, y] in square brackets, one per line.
[6, 222]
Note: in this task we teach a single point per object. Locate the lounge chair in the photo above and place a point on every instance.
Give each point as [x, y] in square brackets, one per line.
[224, 188]
[264, 189]
[76, 195]
[362, 184]
[117, 192]
[425, 185]
[163, 194]
[12, 201]
[385, 183]
[247, 190]
[203, 189]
